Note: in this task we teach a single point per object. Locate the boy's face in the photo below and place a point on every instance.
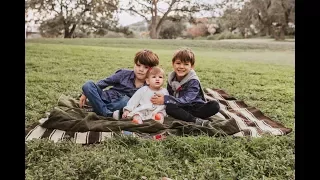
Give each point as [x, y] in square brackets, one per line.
[181, 68]
[140, 71]
[155, 80]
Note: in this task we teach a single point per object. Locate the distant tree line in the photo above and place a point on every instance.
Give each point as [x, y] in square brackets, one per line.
[241, 18]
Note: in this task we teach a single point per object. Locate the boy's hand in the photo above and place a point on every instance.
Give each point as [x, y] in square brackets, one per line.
[125, 113]
[158, 99]
[82, 100]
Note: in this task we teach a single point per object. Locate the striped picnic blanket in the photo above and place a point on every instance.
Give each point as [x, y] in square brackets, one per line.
[68, 122]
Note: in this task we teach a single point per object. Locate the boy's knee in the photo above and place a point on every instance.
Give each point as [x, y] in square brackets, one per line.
[87, 85]
[171, 108]
[215, 106]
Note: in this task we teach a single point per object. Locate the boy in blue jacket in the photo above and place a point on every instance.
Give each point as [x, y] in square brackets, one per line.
[124, 84]
[186, 99]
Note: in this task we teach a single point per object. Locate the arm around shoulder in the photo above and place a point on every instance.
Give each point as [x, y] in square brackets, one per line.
[111, 80]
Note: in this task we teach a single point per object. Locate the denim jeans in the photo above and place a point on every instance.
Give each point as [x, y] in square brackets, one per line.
[99, 105]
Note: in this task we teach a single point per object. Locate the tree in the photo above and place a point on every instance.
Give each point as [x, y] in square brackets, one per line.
[263, 13]
[172, 28]
[270, 17]
[59, 16]
[197, 30]
[147, 8]
[230, 19]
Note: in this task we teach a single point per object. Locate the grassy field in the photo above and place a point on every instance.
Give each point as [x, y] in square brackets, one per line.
[259, 72]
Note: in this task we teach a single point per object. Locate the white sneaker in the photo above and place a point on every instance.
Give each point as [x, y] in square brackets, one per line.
[116, 115]
[203, 122]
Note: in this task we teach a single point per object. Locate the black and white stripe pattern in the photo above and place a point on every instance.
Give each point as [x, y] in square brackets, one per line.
[248, 119]
[55, 135]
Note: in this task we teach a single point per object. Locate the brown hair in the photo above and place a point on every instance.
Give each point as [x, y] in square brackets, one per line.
[155, 70]
[185, 55]
[146, 57]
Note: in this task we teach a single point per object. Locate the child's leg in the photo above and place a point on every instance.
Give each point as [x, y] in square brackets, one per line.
[94, 93]
[185, 114]
[119, 104]
[137, 119]
[179, 113]
[205, 110]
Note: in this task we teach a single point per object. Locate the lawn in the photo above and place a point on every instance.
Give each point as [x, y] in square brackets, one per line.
[259, 72]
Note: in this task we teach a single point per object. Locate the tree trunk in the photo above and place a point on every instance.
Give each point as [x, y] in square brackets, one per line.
[282, 33]
[267, 32]
[279, 32]
[154, 13]
[67, 33]
[158, 32]
[153, 32]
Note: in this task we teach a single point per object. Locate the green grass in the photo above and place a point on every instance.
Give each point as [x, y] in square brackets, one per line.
[261, 74]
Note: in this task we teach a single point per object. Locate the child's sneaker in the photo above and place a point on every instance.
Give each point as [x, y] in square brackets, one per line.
[116, 115]
[203, 122]
[88, 109]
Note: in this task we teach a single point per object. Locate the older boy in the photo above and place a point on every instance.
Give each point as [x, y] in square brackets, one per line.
[124, 84]
[186, 100]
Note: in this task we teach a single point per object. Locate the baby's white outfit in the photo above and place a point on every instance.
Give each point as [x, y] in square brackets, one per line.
[140, 103]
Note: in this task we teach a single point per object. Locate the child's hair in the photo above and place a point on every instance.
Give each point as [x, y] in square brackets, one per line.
[155, 70]
[146, 57]
[185, 55]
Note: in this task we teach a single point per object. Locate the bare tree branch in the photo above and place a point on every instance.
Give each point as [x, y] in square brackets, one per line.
[148, 7]
[138, 13]
[69, 14]
[166, 14]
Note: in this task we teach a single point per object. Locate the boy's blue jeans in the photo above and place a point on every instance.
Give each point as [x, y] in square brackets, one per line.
[99, 105]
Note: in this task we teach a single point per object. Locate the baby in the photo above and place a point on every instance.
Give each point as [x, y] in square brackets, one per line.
[139, 107]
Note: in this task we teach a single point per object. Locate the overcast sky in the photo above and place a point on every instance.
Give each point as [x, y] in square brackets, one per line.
[126, 19]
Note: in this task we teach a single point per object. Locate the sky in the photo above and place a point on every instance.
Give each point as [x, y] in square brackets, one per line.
[127, 19]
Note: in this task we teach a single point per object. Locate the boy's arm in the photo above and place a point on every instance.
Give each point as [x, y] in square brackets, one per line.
[111, 80]
[135, 99]
[191, 93]
[161, 107]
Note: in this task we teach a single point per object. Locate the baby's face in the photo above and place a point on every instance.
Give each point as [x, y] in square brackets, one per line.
[155, 80]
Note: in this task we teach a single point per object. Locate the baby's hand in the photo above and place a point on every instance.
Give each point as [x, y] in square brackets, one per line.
[125, 113]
